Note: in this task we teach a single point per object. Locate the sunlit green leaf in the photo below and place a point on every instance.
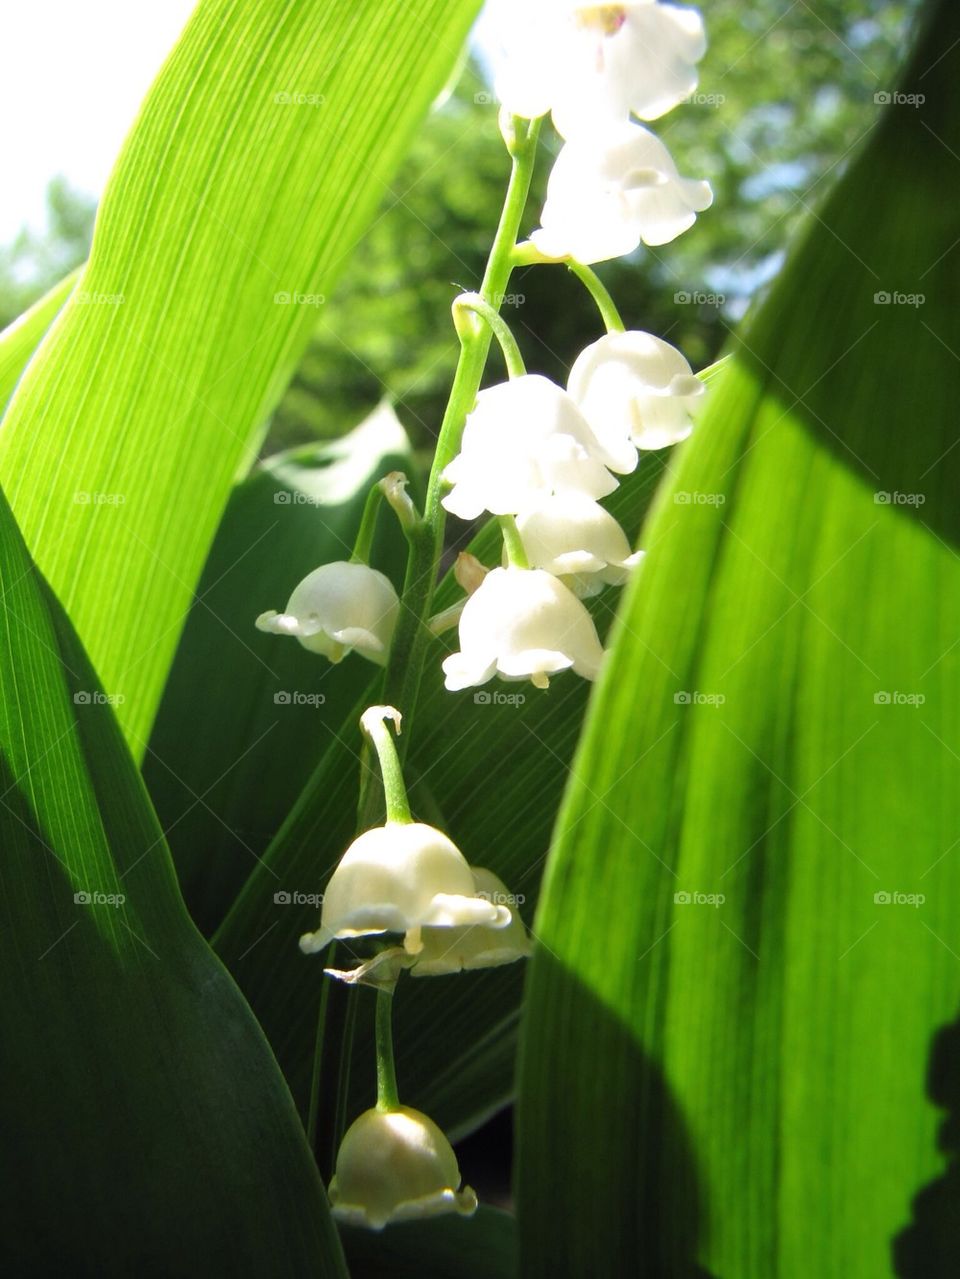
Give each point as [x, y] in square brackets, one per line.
[748, 933]
[260, 154]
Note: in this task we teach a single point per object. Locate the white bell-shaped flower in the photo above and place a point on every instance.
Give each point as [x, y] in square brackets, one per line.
[395, 1165]
[574, 538]
[399, 878]
[523, 624]
[635, 387]
[524, 437]
[607, 195]
[594, 64]
[339, 607]
[451, 950]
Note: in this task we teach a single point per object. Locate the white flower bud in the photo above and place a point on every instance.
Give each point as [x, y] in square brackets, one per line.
[524, 437]
[451, 950]
[523, 624]
[594, 64]
[576, 539]
[634, 388]
[606, 195]
[339, 607]
[399, 878]
[395, 1165]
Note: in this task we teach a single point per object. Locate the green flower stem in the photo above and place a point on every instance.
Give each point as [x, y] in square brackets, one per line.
[601, 295]
[516, 555]
[394, 790]
[387, 1096]
[527, 254]
[404, 669]
[368, 526]
[501, 329]
[313, 1112]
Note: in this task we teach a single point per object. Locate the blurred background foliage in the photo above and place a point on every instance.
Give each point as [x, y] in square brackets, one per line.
[771, 144]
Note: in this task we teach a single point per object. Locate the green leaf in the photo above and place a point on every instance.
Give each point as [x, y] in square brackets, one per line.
[19, 340]
[256, 162]
[479, 1247]
[740, 1084]
[245, 716]
[146, 1118]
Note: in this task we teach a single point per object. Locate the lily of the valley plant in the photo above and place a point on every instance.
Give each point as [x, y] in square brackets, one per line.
[539, 458]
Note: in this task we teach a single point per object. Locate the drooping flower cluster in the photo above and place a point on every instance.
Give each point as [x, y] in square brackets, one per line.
[337, 608]
[396, 1165]
[541, 456]
[540, 459]
[407, 879]
[593, 67]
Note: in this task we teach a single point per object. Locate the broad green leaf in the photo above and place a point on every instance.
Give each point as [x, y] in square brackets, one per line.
[748, 930]
[257, 160]
[245, 716]
[146, 1124]
[478, 1247]
[19, 340]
